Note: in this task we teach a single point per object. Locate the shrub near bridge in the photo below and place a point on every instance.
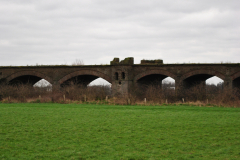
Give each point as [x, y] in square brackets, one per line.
[154, 94]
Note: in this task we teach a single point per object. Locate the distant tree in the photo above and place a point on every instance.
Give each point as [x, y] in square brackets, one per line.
[78, 62]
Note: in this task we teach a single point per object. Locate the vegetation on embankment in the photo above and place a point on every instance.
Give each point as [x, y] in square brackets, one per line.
[203, 95]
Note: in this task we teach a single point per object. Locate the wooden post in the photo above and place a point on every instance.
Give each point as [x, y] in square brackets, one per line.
[166, 101]
[40, 97]
[64, 98]
[106, 98]
[207, 101]
[145, 101]
[183, 100]
[129, 101]
[9, 99]
[85, 98]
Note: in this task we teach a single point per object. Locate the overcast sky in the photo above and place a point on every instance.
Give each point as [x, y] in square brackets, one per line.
[95, 31]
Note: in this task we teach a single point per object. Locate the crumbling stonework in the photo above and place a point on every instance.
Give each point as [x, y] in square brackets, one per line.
[126, 61]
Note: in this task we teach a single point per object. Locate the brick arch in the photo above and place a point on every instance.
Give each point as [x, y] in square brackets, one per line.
[85, 72]
[146, 73]
[202, 71]
[235, 75]
[30, 73]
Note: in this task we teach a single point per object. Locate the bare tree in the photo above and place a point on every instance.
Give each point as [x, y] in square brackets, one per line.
[78, 62]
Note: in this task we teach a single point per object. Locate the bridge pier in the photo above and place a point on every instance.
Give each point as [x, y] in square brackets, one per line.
[121, 87]
[122, 76]
[56, 86]
[178, 86]
[228, 83]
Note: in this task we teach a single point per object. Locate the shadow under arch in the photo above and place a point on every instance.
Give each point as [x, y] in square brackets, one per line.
[154, 72]
[83, 77]
[211, 73]
[150, 85]
[27, 77]
[153, 78]
[236, 80]
[197, 77]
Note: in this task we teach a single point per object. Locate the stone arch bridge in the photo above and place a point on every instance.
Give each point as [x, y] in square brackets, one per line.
[123, 75]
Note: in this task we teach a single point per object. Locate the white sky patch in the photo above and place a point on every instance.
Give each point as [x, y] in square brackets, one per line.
[214, 80]
[100, 81]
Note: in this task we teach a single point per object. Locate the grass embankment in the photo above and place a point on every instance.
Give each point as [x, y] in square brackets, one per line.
[71, 131]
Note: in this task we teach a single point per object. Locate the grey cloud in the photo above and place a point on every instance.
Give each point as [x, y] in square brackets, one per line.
[55, 32]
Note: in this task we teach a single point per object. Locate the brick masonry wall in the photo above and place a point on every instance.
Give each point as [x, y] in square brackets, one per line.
[128, 75]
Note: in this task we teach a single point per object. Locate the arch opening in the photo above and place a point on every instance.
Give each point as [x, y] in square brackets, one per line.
[26, 87]
[99, 82]
[214, 84]
[43, 85]
[84, 87]
[85, 81]
[26, 79]
[156, 87]
[80, 80]
[201, 87]
[168, 83]
[152, 79]
[29, 79]
[206, 80]
[157, 80]
[236, 83]
[199, 79]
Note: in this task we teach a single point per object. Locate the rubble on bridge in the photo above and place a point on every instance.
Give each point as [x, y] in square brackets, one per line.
[155, 62]
[126, 61]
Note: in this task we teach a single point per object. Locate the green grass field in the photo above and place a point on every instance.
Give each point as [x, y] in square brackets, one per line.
[81, 131]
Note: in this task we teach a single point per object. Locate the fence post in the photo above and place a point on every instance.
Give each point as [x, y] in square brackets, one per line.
[183, 100]
[129, 101]
[145, 101]
[64, 98]
[166, 101]
[85, 98]
[106, 98]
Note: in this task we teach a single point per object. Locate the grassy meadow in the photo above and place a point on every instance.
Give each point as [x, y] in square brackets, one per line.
[84, 131]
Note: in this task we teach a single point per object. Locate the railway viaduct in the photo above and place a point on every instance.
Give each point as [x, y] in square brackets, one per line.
[123, 75]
